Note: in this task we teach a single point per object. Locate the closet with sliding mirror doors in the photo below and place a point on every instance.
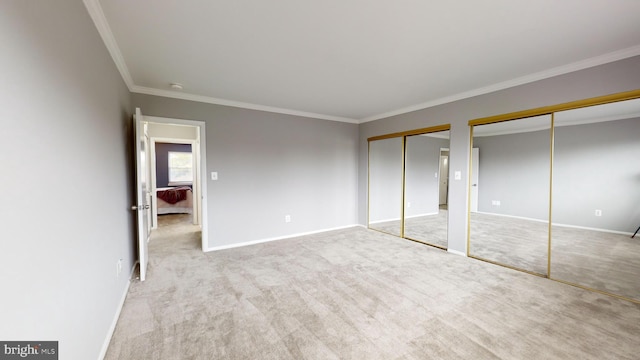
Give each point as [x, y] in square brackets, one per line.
[596, 198]
[555, 191]
[408, 184]
[508, 223]
[385, 185]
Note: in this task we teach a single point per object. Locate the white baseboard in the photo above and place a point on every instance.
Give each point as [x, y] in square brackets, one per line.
[253, 242]
[514, 217]
[408, 217]
[419, 215]
[456, 252]
[383, 221]
[112, 328]
[593, 229]
[561, 225]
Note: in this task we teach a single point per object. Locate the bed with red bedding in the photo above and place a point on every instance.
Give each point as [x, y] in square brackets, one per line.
[175, 200]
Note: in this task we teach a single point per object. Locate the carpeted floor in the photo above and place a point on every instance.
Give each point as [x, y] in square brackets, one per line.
[430, 229]
[598, 260]
[603, 261]
[357, 294]
[515, 242]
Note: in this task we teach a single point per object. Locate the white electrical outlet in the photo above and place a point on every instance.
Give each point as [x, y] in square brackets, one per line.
[118, 267]
[495, 202]
[287, 218]
[409, 204]
[598, 212]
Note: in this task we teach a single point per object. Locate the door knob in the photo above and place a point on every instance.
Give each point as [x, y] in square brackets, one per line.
[134, 208]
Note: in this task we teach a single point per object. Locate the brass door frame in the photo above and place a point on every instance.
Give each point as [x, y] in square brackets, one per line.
[545, 110]
[403, 135]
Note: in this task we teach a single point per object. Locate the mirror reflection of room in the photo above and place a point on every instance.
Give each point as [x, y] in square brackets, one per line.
[596, 198]
[385, 185]
[509, 192]
[426, 188]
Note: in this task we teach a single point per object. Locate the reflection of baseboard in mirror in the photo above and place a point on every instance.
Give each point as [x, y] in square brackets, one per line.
[591, 150]
[596, 154]
[408, 184]
[515, 168]
[385, 185]
[426, 187]
[429, 229]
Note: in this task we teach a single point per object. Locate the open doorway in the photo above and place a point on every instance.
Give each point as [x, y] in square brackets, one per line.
[173, 180]
[443, 184]
[177, 176]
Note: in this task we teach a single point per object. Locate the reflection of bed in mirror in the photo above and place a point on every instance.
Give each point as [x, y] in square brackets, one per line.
[175, 200]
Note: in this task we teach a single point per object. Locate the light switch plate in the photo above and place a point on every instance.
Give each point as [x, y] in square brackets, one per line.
[214, 175]
[457, 175]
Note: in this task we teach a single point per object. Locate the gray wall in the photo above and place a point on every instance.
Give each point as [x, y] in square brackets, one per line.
[385, 173]
[610, 78]
[422, 163]
[66, 178]
[597, 166]
[68, 185]
[162, 161]
[270, 165]
[514, 169]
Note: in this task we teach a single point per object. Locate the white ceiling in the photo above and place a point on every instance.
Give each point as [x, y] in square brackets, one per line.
[357, 60]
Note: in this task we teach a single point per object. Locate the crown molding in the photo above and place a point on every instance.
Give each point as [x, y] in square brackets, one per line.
[97, 15]
[560, 70]
[100, 21]
[238, 104]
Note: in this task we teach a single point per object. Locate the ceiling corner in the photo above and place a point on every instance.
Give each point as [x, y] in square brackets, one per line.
[99, 19]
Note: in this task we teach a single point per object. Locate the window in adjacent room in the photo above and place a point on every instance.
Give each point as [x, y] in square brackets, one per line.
[180, 168]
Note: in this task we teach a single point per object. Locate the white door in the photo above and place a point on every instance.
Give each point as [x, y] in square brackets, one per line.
[475, 166]
[195, 149]
[142, 191]
[444, 179]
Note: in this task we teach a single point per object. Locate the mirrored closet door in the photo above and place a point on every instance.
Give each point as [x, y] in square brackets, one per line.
[385, 185]
[426, 188]
[510, 180]
[596, 198]
[409, 184]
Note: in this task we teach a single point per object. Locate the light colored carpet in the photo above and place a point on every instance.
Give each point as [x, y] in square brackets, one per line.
[603, 261]
[358, 294]
[599, 260]
[430, 229]
[515, 242]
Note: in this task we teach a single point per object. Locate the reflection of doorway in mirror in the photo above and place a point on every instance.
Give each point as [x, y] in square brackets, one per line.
[443, 183]
[475, 167]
